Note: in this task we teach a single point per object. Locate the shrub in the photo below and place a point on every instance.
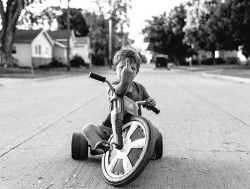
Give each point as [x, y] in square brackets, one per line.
[220, 61]
[233, 60]
[212, 61]
[77, 62]
[98, 60]
[56, 64]
[53, 64]
[207, 61]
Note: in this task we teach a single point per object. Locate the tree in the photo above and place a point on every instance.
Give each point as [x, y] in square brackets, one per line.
[199, 29]
[209, 27]
[10, 13]
[117, 12]
[99, 31]
[220, 24]
[77, 21]
[47, 18]
[240, 23]
[154, 33]
[55, 18]
[165, 34]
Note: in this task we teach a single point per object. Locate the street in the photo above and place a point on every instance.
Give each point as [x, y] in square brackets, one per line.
[205, 124]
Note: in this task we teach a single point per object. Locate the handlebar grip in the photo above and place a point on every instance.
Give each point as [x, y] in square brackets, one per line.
[97, 77]
[154, 109]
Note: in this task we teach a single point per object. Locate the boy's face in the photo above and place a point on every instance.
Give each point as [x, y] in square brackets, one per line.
[120, 66]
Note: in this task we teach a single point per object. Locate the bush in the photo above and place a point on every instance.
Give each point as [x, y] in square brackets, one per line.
[207, 61]
[98, 60]
[77, 62]
[212, 61]
[220, 61]
[53, 64]
[233, 60]
[56, 64]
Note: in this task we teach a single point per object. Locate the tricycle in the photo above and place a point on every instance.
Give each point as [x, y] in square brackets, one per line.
[134, 142]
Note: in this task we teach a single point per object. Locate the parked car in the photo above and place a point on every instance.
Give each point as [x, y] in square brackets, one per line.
[161, 60]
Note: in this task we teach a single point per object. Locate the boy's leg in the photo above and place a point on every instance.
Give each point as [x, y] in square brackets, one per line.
[93, 134]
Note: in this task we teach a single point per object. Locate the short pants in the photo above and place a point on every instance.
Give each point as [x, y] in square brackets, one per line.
[106, 130]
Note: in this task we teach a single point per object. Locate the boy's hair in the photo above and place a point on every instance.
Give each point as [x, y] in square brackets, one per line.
[127, 52]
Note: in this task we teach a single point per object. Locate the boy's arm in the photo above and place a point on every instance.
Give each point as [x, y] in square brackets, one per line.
[123, 85]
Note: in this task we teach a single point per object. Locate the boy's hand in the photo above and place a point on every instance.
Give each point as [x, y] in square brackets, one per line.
[127, 72]
[151, 101]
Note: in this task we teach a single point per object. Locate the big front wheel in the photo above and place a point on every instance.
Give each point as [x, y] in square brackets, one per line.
[121, 167]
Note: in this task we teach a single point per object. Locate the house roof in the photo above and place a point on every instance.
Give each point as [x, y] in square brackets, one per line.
[58, 38]
[25, 36]
[82, 40]
[49, 38]
[60, 45]
[60, 34]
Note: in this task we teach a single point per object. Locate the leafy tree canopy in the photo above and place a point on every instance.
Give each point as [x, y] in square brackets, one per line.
[165, 34]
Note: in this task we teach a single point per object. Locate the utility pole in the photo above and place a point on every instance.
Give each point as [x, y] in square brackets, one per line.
[68, 38]
[110, 42]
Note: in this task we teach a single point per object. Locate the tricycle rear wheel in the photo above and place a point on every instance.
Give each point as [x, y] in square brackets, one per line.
[158, 147]
[79, 147]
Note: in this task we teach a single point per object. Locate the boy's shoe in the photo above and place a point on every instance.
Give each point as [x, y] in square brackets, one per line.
[101, 147]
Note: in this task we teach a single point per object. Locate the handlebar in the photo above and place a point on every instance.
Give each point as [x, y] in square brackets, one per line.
[97, 77]
[153, 108]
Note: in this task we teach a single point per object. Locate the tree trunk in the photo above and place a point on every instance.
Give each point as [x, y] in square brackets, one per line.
[9, 19]
[7, 48]
[213, 56]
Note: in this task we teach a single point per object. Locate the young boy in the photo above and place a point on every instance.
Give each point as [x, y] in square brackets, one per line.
[126, 65]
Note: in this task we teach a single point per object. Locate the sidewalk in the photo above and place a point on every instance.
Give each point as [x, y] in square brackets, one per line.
[237, 73]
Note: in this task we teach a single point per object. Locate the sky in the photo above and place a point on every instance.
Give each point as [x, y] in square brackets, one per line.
[141, 11]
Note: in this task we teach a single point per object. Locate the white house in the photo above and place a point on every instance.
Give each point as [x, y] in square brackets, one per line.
[60, 52]
[21, 49]
[40, 47]
[61, 42]
[83, 49]
[32, 48]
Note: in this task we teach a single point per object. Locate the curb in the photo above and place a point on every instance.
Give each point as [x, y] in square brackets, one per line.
[230, 78]
[16, 81]
[9, 82]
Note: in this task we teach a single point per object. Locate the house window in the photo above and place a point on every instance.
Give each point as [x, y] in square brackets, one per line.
[13, 49]
[47, 50]
[39, 50]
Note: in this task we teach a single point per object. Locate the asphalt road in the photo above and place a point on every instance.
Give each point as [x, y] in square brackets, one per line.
[205, 124]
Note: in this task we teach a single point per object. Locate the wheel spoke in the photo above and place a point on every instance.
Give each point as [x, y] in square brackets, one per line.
[139, 143]
[132, 129]
[112, 164]
[126, 164]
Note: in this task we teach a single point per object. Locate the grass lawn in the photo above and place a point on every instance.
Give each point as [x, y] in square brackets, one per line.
[229, 70]
[39, 73]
